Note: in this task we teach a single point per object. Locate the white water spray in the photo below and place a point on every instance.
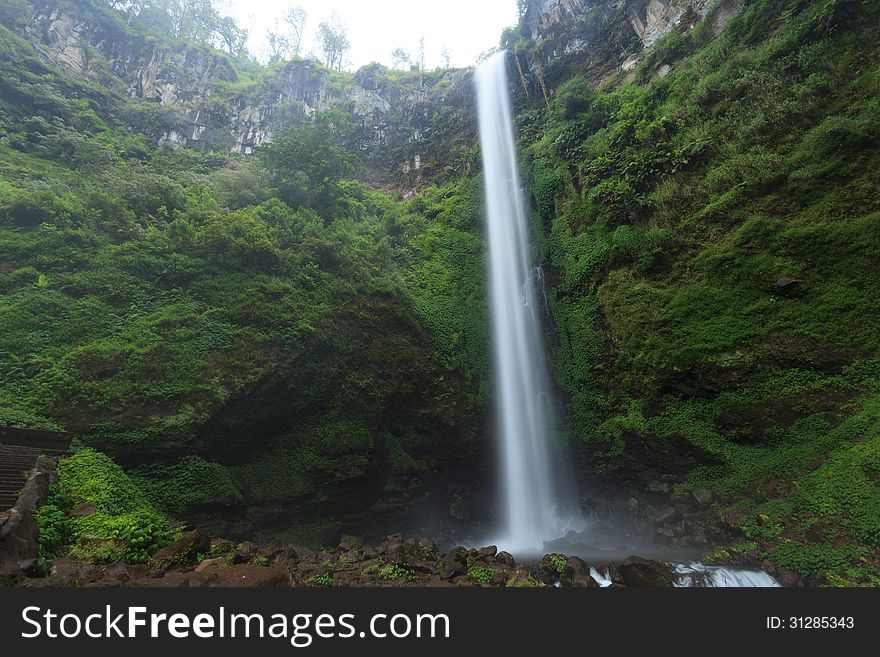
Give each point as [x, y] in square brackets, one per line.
[531, 501]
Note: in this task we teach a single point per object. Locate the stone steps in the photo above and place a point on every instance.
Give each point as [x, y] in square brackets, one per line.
[17, 461]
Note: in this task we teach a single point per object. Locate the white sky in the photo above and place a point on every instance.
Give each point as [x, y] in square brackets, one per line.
[376, 27]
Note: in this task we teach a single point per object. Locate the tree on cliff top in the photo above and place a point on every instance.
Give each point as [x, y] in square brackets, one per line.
[333, 39]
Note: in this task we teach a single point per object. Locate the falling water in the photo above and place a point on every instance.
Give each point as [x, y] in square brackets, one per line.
[530, 497]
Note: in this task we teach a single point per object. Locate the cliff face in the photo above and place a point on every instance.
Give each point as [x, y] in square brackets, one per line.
[202, 102]
[600, 38]
[411, 127]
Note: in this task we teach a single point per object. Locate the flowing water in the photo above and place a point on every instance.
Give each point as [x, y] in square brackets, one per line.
[697, 575]
[532, 502]
[538, 509]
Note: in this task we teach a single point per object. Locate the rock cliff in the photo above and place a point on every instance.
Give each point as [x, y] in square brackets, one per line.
[202, 101]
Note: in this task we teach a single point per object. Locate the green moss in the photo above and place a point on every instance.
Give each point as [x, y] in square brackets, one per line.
[521, 579]
[483, 574]
[393, 573]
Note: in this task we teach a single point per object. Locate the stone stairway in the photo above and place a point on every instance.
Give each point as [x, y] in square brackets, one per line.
[19, 451]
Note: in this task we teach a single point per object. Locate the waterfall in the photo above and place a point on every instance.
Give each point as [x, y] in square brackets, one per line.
[530, 492]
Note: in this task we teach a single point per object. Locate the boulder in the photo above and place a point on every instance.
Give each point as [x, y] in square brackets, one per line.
[489, 551]
[454, 565]
[577, 574]
[83, 510]
[703, 496]
[395, 553]
[117, 573]
[248, 575]
[289, 556]
[428, 544]
[216, 562]
[181, 553]
[18, 529]
[70, 572]
[551, 568]
[348, 542]
[505, 559]
[788, 577]
[787, 286]
[667, 515]
[245, 552]
[269, 552]
[636, 571]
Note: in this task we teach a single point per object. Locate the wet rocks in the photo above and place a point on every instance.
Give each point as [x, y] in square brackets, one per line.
[636, 571]
[216, 562]
[454, 565]
[668, 515]
[505, 559]
[245, 552]
[703, 496]
[181, 553]
[576, 573]
[550, 569]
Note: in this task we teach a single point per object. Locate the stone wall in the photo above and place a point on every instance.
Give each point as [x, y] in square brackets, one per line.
[18, 529]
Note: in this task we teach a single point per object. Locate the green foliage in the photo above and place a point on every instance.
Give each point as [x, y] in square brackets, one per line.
[671, 205]
[53, 529]
[573, 97]
[187, 484]
[125, 525]
[810, 559]
[309, 161]
[522, 580]
[558, 562]
[393, 572]
[321, 579]
[482, 574]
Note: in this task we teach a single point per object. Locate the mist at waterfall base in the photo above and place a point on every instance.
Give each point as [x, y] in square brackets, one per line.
[537, 503]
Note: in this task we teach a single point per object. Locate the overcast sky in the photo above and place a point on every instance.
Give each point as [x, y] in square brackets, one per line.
[376, 27]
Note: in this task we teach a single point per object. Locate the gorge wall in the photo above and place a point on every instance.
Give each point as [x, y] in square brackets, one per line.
[200, 99]
[410, 127]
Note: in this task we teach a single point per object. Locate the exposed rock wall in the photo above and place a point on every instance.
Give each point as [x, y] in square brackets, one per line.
[201, 102]
[599, 37]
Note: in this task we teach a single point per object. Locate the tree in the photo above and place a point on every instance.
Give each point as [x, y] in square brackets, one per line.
[296, 23]
[285, 40]
[447, 57]
[309, 161]
[400, 58]
[278, 44]
[233, 39]
[16, 12]
[333, 39]
[199, 21]
[422, 53]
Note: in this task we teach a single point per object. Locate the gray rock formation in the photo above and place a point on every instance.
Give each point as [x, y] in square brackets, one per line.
[195, 97]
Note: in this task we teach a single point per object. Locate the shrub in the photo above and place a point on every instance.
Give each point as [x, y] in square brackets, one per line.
[125, 526]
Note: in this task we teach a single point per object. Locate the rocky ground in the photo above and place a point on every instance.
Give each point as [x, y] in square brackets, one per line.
[194, 560]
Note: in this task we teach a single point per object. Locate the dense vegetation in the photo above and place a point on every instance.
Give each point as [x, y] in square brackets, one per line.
[674, 202]
[234, 331]
[265, 342]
